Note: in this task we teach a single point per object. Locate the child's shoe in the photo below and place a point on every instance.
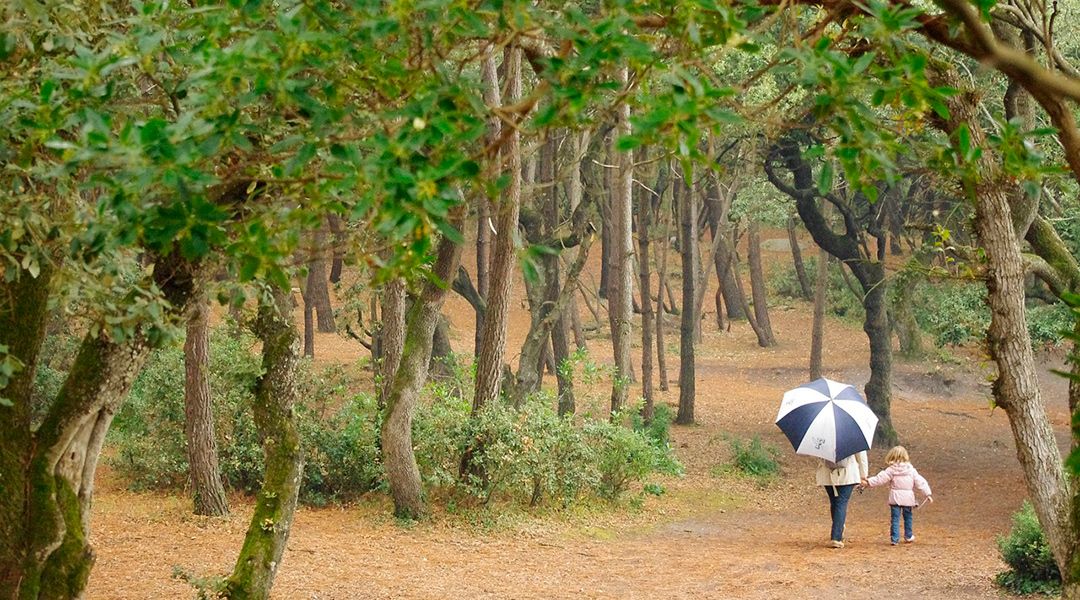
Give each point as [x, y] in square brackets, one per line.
[910, 540]
[836, 544]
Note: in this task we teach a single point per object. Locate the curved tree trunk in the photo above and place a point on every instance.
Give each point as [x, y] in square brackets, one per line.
[817, 335]
[275, 420]
[209, 494]
[48, 471]
[688, 215]
[758, 289]
[869, 271]
[399, 460]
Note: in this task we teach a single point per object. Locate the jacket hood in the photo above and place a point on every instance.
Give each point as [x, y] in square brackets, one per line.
[903, 468]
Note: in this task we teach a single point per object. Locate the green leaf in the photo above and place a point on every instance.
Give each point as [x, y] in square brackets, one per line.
[825, 178]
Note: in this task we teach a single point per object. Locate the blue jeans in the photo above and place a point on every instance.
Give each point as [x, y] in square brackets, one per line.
[894, 528]
[838, 501]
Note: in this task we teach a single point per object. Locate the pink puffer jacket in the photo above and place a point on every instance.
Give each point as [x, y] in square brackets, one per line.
[904, 481]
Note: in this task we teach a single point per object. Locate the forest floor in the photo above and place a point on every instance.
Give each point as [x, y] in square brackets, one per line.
[713, 534]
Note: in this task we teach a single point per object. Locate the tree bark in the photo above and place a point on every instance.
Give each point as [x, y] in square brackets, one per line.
[275, 419]
[317, 291]
[817, 335]
[489, 361]
[399, 460]
[758, 289]
[661, 356]
[337, 233]
[644, 221]
[209, 494]
[620, 301]
[48, 472]
[393, 334]
[796, 257]
[492, 97]
[688, 214]
[1016, 390]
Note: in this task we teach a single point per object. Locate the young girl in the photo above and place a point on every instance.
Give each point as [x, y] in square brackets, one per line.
[903, 480]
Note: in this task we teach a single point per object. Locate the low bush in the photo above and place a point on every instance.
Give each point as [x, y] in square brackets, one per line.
[528, 455]
[755, 458]
[1031, 565]
[339, 440]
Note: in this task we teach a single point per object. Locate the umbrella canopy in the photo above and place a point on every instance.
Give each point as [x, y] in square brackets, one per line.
[826, 419]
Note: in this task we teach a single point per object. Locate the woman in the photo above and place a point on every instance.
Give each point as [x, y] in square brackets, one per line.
[839, 479]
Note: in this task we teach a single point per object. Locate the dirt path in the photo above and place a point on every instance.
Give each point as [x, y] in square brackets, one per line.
[713, 535]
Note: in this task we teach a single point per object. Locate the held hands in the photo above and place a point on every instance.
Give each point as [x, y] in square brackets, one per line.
[864, 483]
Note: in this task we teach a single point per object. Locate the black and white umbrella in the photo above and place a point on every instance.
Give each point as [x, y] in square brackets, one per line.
[826, 419]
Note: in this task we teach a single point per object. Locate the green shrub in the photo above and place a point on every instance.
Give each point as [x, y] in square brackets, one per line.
[1031, 565]
[625, 456]
[339, 440]
[755, 458]
[1047, 324]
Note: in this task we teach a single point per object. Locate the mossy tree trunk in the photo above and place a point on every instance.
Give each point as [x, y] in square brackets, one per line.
[47, 481]
[399, 460]
[275, 420]
[1055, 495]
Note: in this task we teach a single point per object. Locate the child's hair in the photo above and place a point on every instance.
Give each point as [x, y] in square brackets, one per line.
[897, 454]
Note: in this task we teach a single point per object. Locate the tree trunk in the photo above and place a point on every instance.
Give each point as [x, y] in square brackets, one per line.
[688, 213]
[796, 257]
[727, 277]
[907, 329]
[870, 272]
[489, 361]
[209, 494]
[620, 302]
[758, 289]
[441, 352]
[48, 471]
[317, 291]
[309, 326]
[337, 232]
[275, 419]
[560, 346]
[817, 335]
[492, 97]
[398, 457]
[879, 332]
[1016, 390]
[644, 212]
[393, 334]
[661, 355]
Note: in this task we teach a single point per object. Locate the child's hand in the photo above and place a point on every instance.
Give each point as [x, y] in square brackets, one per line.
[864, 483]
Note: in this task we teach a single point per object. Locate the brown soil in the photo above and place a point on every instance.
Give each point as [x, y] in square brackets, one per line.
[712, 535]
